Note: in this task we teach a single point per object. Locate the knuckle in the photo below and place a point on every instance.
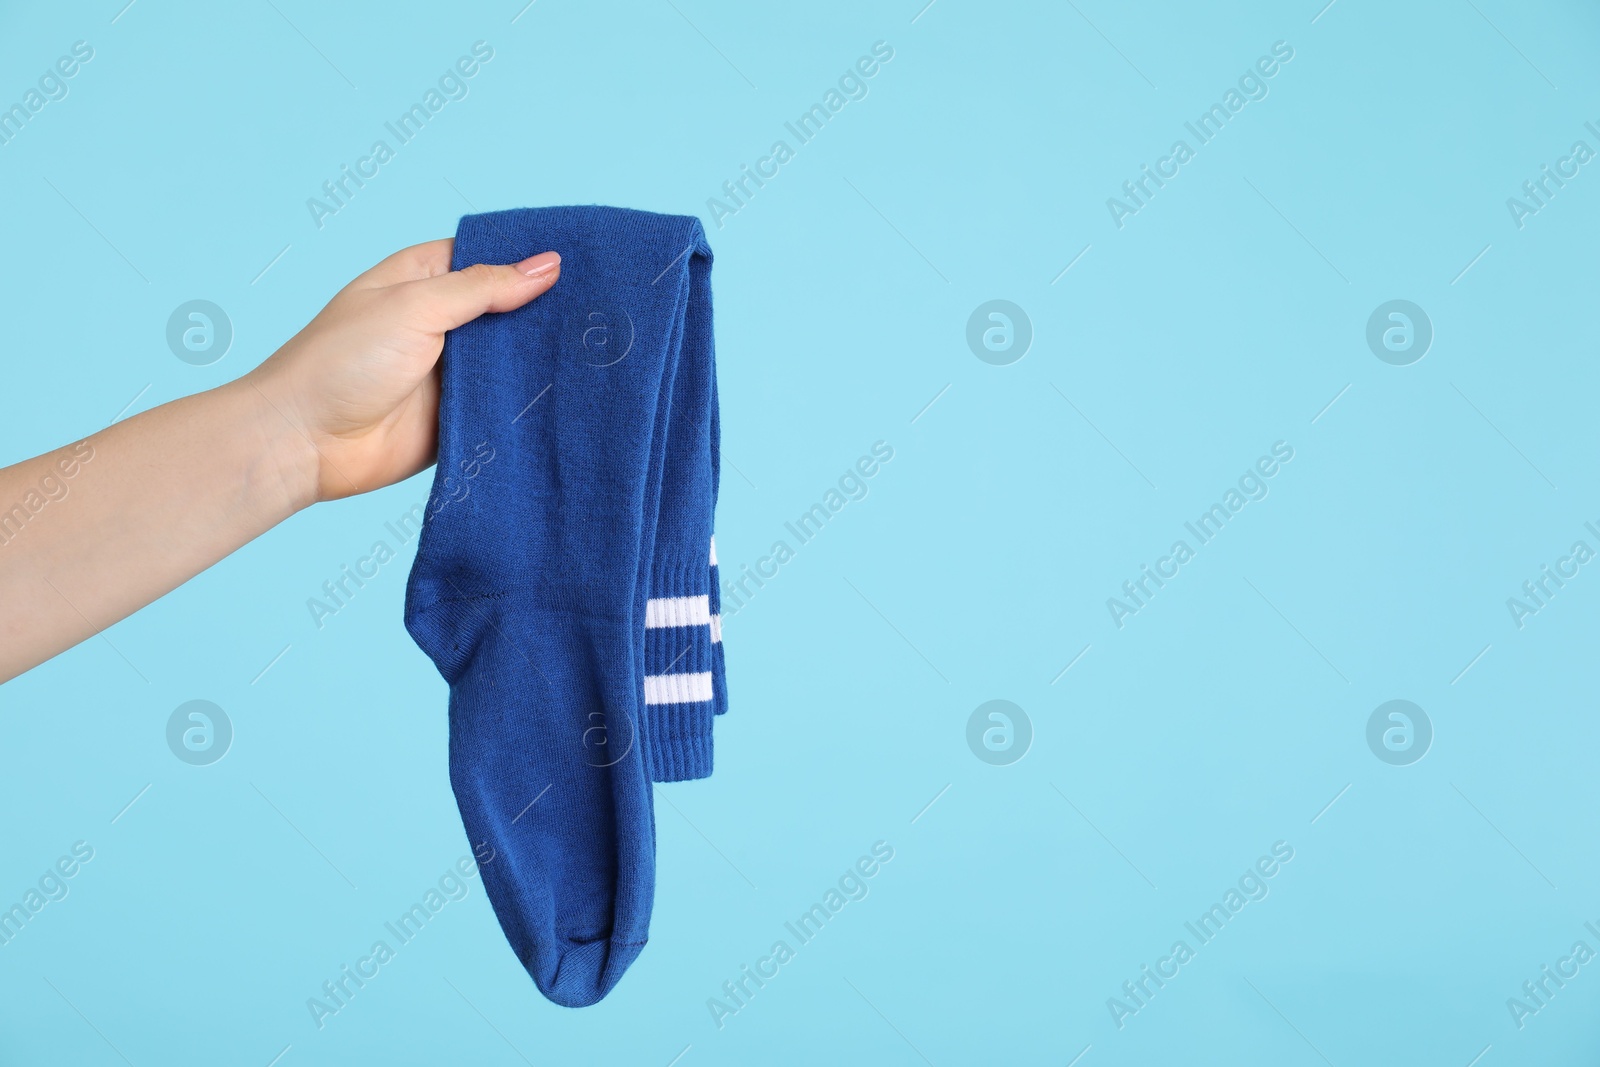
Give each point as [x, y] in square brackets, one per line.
[480, 274]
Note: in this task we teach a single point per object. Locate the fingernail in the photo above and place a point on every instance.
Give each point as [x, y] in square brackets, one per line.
[540, 265]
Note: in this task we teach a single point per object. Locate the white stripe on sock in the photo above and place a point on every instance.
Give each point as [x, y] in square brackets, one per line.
[713, 551]
[677, 611]
[716, 629]
[677, 688]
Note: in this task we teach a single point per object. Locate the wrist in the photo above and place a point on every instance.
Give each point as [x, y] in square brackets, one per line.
[284, 470]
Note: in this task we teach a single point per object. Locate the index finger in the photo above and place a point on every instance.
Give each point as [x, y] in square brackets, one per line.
[427, 260]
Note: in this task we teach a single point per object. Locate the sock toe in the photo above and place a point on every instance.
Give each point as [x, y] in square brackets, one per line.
[576, 974]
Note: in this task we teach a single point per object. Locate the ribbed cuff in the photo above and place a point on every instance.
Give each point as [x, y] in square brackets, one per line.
[719, 679]
[678, 746]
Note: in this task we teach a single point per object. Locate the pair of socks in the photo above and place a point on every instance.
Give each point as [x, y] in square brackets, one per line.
[564, 579]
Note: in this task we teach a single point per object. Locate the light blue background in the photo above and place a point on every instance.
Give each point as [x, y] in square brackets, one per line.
[1226, 716]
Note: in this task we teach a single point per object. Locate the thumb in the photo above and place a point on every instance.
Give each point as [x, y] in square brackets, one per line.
[454, 299]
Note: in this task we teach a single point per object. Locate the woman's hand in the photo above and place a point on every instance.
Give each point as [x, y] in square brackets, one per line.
[360, 383]
[91, 533]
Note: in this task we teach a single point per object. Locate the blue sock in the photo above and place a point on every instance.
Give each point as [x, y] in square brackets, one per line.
[679, 626]
[546, 539]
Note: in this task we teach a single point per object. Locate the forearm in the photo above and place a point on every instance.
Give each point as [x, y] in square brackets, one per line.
[148, 503]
